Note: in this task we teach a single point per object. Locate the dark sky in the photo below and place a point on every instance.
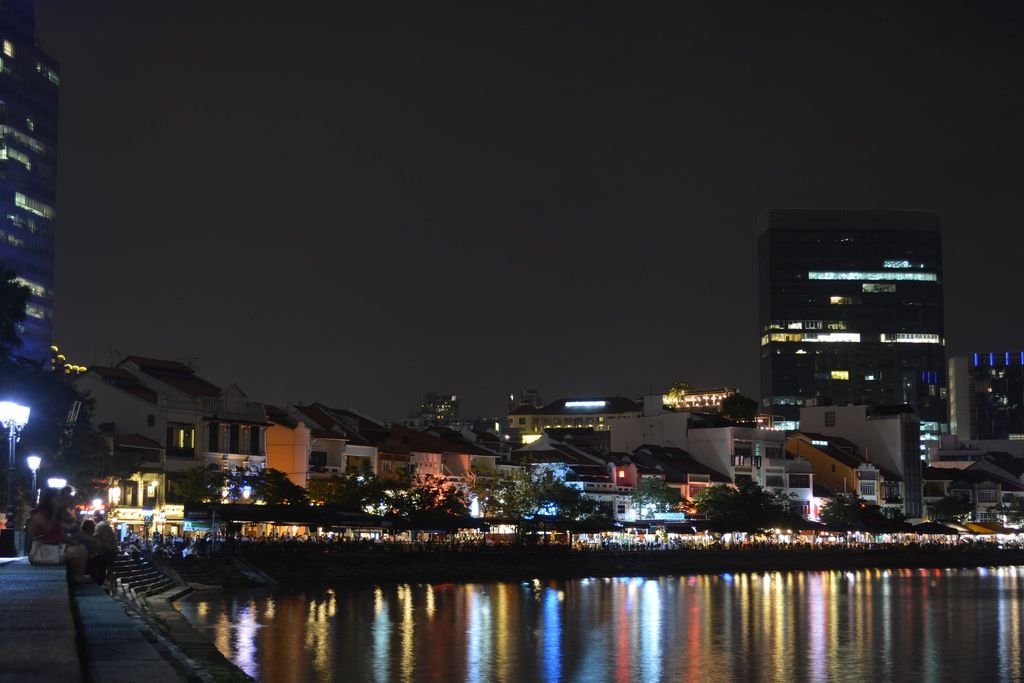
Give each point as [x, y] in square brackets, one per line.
[360, 202]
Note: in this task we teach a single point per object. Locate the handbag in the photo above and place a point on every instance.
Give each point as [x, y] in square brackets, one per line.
[46, 553]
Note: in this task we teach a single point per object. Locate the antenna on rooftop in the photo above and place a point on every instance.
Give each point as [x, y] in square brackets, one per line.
[188, 360]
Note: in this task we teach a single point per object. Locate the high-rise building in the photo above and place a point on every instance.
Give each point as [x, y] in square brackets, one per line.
[986, 396]
[851, 311]
[29, 84]
[437, 409]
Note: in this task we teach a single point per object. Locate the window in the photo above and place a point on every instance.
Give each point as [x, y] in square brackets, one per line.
[181, 439]
[522, 420]
[841, 374]
[33, 205]
[911, 338]
[799, 481]
[987, 496]
[867, 488]
[775, 481]
[871, 275]
[213, 437]
[877, 289]
[830, 417]
[738, 461]
[319, 459]
[234, 432]
[896, 263]
[8, 48]
[254, 440]
[844, 300]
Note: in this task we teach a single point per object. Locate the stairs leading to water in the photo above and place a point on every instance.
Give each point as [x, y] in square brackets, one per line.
[135, 577]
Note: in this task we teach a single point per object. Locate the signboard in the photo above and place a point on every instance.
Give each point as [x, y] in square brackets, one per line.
[197, 526]
[172, 511]
[125, 514]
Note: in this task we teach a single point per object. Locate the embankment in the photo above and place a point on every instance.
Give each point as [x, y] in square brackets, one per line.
[310, 566]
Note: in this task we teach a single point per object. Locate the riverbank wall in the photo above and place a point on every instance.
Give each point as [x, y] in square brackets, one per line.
[391, 566]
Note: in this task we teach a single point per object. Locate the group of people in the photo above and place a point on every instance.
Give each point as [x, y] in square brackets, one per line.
[89, 548]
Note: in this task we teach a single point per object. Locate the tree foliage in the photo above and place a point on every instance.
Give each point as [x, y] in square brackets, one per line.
[1012, 510]
[652, 494]
[953, 509]
[539, 491]
[739, 408]
[13, 303]
[743, 508]
[273, 487]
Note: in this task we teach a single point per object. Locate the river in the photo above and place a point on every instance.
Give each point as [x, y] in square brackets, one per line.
[877, 625]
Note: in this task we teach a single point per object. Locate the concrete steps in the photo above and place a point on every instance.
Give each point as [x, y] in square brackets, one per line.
[136, 578]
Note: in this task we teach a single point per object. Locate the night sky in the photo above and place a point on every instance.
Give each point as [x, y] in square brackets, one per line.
[360, 202]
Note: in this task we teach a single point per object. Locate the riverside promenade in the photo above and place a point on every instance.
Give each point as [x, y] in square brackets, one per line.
[51, 631]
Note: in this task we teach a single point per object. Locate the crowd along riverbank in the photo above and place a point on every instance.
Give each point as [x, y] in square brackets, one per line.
[382, 564]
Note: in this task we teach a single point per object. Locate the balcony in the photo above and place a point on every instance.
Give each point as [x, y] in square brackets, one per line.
[234, 407]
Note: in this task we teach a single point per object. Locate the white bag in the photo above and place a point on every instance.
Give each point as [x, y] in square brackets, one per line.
[46, 553]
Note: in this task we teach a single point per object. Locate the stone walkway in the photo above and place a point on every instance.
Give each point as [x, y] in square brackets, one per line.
[52, 632]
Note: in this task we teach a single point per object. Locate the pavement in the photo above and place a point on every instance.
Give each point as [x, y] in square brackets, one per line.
[50, 631]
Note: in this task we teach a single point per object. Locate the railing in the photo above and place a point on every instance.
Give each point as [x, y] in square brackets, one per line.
[233, 406]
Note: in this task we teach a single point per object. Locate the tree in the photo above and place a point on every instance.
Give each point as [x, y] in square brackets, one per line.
[953, 508]
[744, 508]
[1011, 510]
[739, 408]
[652, 494]
[13, 310]
[843, 508]
[199, 485]
[273, 487]
[848, 508]
[352, 492]
[430, 496]
[541, 490]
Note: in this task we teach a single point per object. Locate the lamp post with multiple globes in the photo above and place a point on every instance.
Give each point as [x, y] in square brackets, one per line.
[13, 417]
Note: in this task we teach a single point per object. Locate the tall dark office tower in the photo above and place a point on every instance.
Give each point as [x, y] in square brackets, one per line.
[851, 311]
[986, 395]
[28, 168]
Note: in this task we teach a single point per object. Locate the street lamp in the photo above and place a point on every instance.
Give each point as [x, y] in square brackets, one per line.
[33, 464]
[13, 417]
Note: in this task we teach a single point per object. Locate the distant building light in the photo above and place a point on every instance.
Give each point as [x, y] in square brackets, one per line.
[586, 404]
[899, 263]
[870, 275]
[818, 442]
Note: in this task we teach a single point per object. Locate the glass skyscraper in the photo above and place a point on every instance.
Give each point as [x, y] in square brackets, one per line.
[29, 83]
[851, 311]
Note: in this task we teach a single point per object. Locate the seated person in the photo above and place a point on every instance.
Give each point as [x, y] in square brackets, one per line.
[45, 525]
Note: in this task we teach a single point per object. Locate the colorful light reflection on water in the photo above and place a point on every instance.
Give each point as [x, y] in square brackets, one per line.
[790, 626]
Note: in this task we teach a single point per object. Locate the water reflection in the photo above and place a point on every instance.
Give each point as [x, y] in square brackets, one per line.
[816, 626]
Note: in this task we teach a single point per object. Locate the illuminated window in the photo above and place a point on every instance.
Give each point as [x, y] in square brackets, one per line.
[34, 287]
[35, 312]
[33, 205]
[8, 48]
[841, 374]
[181, 439]
[911, 338]
[877, 289]
[15, 155]
[870, 275]
[897, 263]
[843, 300]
